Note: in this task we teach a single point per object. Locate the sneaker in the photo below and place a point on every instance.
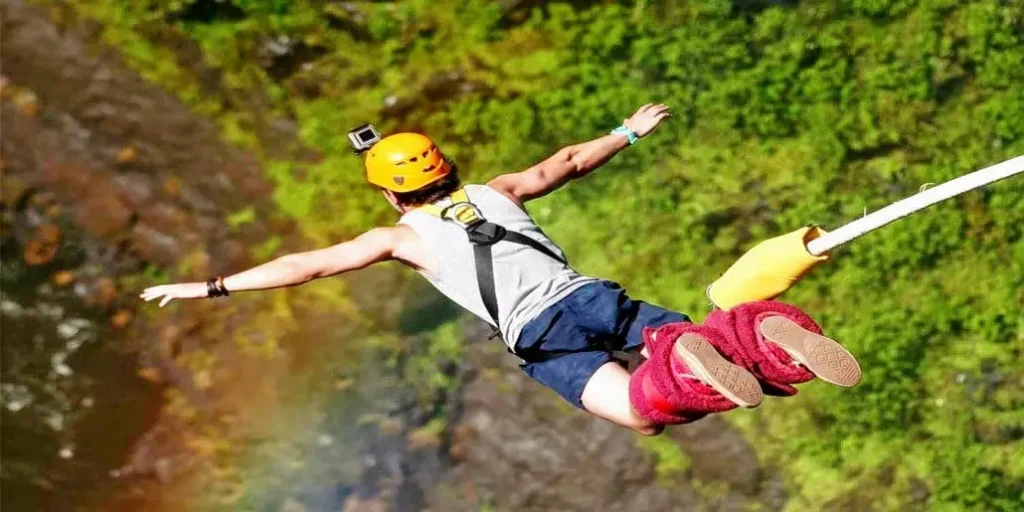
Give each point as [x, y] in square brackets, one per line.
[822, 356]
[702, 361]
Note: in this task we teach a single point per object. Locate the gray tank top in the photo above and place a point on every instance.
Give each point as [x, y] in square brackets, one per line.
[526, 281]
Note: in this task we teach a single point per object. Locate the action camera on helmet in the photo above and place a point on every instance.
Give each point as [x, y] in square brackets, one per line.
[363, 137]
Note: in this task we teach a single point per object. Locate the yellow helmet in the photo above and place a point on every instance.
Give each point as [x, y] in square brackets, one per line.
[405, 162]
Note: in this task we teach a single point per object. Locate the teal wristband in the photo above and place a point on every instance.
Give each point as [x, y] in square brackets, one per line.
[624, 130]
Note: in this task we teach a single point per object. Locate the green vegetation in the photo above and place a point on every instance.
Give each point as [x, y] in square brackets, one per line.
[784, 115]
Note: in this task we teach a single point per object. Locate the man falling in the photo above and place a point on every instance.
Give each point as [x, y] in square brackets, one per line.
[478, 246]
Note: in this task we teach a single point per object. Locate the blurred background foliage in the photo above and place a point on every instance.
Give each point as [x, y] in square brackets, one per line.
[786, 113]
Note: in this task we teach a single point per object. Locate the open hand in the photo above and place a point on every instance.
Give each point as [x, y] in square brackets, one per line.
[647, 118]
[169, 292]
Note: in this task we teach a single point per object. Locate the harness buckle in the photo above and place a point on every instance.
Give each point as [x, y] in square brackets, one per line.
[485, 233]
[464, 214]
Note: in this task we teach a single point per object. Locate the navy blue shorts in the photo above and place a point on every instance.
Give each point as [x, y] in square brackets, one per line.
[570, 340]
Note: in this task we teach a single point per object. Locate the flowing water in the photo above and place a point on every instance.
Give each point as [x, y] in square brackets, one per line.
[72, 401]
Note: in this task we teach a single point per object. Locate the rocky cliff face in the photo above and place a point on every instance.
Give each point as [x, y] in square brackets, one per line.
[517, 445]
[142, 180]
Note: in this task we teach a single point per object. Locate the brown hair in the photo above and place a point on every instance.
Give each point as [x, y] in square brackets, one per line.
[432, 192]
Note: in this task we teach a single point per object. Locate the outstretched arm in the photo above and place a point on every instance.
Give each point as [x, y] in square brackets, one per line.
[576, 161]
[294, 269]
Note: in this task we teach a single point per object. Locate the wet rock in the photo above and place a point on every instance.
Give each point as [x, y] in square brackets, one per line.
[121, 319]
[135, 188]
[165, 217]
[104, 291]
[127, 155]
[27, 103]
[13, 190]
[44, 245]
[461, 443]
[423, 438]
[597, 465]
[38, 252]
[356, 504]
[76, 115]
[172, 186]
[720, 453]
[63, 278]
[389, 426]
[48, 232]
[292, 505]
[73, 176]
[6, 88]
[549, 456]
[162, 469]
[236, 254]
[104, 214]
[154, 245]
[150, 374]
[198, 202]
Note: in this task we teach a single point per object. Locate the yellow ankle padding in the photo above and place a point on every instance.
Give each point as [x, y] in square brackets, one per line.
[768, 269]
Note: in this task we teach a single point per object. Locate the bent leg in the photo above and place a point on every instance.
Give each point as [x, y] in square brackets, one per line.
[591, 381]
[606, 395]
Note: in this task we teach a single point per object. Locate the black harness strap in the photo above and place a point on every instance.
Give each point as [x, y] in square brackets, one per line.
[482, 235]
[521, 239]
[485, 281]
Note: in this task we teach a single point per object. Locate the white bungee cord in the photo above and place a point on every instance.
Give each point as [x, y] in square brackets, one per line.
[914, 203]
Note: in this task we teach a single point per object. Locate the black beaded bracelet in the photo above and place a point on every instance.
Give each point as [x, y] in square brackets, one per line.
[215, 288]
[211, 288]
[223, 289]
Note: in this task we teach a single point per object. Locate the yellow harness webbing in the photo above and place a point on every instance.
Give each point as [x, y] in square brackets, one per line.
[463, 215]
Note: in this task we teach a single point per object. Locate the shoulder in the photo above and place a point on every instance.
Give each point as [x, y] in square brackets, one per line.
[386, 238]
[392, 240]
[409, 248]
[393, 235]
[496, 187]
[477, 188]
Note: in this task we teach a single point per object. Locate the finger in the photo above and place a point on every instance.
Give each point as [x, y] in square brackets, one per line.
[659, 109]
[166, 300]
[645, 107]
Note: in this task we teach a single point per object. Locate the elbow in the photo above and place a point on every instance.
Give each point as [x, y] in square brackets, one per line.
[297, 268]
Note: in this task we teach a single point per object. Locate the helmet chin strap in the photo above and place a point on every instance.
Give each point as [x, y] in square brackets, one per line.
[393, 201]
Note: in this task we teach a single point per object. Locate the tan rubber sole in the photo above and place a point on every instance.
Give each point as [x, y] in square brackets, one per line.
[825, 358]
[733, 382]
